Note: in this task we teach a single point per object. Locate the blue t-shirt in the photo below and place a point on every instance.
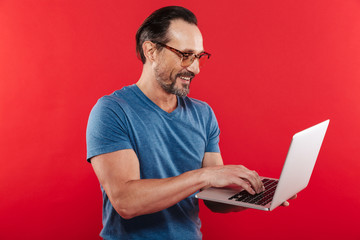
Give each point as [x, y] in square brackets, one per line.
[166, 144]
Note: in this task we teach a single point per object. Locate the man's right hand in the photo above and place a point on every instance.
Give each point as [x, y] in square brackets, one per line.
[225, 175]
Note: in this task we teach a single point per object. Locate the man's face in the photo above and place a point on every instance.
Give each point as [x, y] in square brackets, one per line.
[169, 73]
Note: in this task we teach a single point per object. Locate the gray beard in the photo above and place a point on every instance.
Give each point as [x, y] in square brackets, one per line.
[172, 89]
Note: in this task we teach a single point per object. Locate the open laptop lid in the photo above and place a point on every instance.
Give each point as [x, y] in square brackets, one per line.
[300, 161]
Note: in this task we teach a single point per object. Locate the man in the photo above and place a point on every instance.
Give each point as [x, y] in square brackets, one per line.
[152, 147]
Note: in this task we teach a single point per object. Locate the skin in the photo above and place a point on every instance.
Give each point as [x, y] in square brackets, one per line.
[118, 172]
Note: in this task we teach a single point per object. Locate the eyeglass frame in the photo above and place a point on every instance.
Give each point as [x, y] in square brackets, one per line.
[184, 54]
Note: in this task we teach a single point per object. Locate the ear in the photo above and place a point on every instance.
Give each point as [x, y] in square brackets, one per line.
[149, 50]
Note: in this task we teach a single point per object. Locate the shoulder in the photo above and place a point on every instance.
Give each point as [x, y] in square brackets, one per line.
[113, 107]
[117, 99]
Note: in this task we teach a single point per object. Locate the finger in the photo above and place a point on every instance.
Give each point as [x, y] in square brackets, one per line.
[253, 178]
[293, 197]
[248, 176]
[286, 204]
[244, 184]
[261, 186]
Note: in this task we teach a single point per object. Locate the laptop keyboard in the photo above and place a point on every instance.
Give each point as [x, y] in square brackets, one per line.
[262, 198]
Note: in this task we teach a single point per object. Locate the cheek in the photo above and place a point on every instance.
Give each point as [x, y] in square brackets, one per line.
[173, 74]
[169, 72]
[167, 69]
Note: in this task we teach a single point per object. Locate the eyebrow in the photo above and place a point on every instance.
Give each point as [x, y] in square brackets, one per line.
[187, 50]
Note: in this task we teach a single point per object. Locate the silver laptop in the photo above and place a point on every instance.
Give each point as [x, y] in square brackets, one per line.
[295, 175]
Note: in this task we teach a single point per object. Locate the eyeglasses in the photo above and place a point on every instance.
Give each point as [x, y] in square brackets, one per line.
[187, 58]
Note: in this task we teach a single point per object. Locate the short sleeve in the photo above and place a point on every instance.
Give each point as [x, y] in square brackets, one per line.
[213, 133]
[107, 129]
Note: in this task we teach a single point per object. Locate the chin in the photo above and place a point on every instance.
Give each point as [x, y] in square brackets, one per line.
[182, 92]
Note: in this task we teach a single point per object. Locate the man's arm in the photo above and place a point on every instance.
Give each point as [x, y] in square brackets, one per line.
[118, 173]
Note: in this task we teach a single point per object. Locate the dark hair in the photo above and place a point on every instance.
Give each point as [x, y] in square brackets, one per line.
[155, 27]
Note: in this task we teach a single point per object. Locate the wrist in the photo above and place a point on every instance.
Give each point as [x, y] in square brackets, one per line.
[204, 177]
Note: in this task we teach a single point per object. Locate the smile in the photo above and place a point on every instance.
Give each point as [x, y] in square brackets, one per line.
[186, 78]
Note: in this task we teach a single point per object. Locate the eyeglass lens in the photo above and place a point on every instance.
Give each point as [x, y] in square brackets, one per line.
[187, 61]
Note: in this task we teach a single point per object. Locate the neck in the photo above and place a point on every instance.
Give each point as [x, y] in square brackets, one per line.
[152, 89]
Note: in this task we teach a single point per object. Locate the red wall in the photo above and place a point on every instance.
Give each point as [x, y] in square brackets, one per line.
[277, 68]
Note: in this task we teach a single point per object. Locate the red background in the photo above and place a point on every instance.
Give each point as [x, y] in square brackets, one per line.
[277, 68]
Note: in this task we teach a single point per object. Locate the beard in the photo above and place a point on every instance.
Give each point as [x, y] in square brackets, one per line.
[169, 83]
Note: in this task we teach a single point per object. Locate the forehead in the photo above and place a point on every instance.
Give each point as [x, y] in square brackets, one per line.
[185, 36]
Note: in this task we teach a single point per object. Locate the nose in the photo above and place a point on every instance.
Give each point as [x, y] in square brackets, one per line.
[194, 67]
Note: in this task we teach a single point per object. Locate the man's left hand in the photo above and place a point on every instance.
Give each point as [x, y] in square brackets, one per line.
[286, 203]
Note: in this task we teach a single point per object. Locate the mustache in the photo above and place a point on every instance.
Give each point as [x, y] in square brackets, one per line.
[186, 74]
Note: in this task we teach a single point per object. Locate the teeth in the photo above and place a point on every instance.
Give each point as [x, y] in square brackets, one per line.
[185, 78]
